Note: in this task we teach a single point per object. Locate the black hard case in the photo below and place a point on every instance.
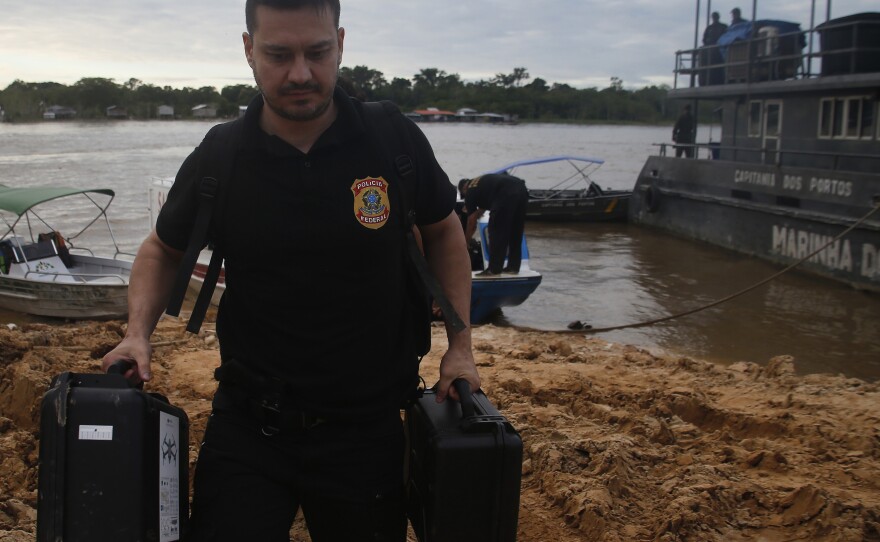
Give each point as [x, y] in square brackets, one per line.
[114, 463]
[464, 471]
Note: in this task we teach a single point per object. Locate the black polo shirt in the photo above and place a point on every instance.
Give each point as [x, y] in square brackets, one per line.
[314, 248]
[490, 189]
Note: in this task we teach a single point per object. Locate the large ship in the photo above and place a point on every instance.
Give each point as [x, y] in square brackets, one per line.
[798, 160]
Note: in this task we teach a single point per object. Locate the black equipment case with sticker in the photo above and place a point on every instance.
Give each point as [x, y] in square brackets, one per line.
[114, 463]
[465, 465]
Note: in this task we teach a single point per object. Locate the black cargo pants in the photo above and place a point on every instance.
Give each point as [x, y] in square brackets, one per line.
[347, 477]
[507, 223]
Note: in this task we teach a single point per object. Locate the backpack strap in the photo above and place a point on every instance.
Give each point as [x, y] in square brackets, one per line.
[386, 119]
[217, 154]
[207, 193]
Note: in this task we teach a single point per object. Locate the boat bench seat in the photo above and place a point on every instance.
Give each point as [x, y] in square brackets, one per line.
[33, 251]
[50, 269]
[35, 261]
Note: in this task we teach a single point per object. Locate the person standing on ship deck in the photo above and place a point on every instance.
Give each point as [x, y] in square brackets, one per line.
[714, 30]
[684, 132]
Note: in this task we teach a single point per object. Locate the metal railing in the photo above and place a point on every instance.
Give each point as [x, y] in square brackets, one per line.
[774, 57]
[766, 155]
[79, 278]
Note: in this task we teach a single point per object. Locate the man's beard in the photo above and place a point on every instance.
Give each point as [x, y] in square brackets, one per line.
[298, 114]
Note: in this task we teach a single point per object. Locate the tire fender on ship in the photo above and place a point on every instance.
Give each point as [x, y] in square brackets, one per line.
[652, 198]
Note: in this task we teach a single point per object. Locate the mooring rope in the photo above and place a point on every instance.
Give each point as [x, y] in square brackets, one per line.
[588, 329]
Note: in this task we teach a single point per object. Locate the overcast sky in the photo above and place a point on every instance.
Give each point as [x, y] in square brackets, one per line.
[195, 43]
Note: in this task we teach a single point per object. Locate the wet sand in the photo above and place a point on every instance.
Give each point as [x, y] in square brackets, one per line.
[619, 444]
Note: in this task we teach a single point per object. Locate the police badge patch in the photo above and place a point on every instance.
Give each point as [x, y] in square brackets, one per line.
[372, 206]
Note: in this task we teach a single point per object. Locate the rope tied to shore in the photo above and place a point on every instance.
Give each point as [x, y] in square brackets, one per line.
[586, 329]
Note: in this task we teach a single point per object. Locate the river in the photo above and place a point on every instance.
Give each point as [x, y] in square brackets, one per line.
[605, 275]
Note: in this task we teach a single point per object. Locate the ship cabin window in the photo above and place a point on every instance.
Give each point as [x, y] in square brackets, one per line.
[846, 118]
[756, 120]
[774, 119]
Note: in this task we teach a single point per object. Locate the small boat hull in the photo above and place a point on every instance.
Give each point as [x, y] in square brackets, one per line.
[490, 294]
[767, 212]
[99, 290]
[573, 206]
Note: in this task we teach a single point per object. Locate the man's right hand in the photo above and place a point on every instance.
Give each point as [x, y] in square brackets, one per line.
[152, 276]
[138, 351]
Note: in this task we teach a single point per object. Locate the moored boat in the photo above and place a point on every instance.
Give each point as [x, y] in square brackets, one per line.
[798, 162]
[44, 273]
[574, 197]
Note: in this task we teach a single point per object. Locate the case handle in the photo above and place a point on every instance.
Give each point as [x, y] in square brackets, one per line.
[120, 367]
[466, 397]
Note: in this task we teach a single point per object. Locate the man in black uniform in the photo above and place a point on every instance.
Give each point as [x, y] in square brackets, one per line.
[683, 132]
[506, 197]
[712, 56]
[315, 324]
[714, 30]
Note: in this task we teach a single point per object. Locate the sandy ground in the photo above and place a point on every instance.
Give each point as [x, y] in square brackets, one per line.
[619, 444]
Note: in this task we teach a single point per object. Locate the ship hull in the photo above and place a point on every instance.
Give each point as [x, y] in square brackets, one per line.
[779, 214]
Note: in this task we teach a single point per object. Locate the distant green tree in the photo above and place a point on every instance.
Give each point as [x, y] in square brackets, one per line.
[511, 93]
[400, 91]
[234, 96]
[25, 101]
[514, 79]
[366, 81]
[94, 95]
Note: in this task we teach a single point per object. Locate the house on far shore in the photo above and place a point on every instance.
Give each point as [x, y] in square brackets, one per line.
[432, 114]
[204, 111]
[117, 112]
[2, 114]
[242, 109]
[59, 112]
[465, 114]
[165, 112]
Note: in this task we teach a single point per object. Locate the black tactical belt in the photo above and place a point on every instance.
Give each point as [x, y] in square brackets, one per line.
[269, 411]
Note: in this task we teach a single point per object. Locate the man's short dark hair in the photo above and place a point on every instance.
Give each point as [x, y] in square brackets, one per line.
[250, 9]
[462, 183]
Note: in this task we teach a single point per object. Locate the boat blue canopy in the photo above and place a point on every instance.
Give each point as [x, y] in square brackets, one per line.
[547, 159]
[19, 200]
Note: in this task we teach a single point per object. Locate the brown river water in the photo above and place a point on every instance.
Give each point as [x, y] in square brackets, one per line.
[602, 274]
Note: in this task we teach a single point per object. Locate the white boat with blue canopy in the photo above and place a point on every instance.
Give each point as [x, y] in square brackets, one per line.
[45, 273]
[574, 196]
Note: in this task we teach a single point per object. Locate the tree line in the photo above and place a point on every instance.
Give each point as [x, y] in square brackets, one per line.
[514, 94]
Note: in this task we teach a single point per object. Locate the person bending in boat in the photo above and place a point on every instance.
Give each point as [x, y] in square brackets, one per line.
[506, 198]
[316, 325]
